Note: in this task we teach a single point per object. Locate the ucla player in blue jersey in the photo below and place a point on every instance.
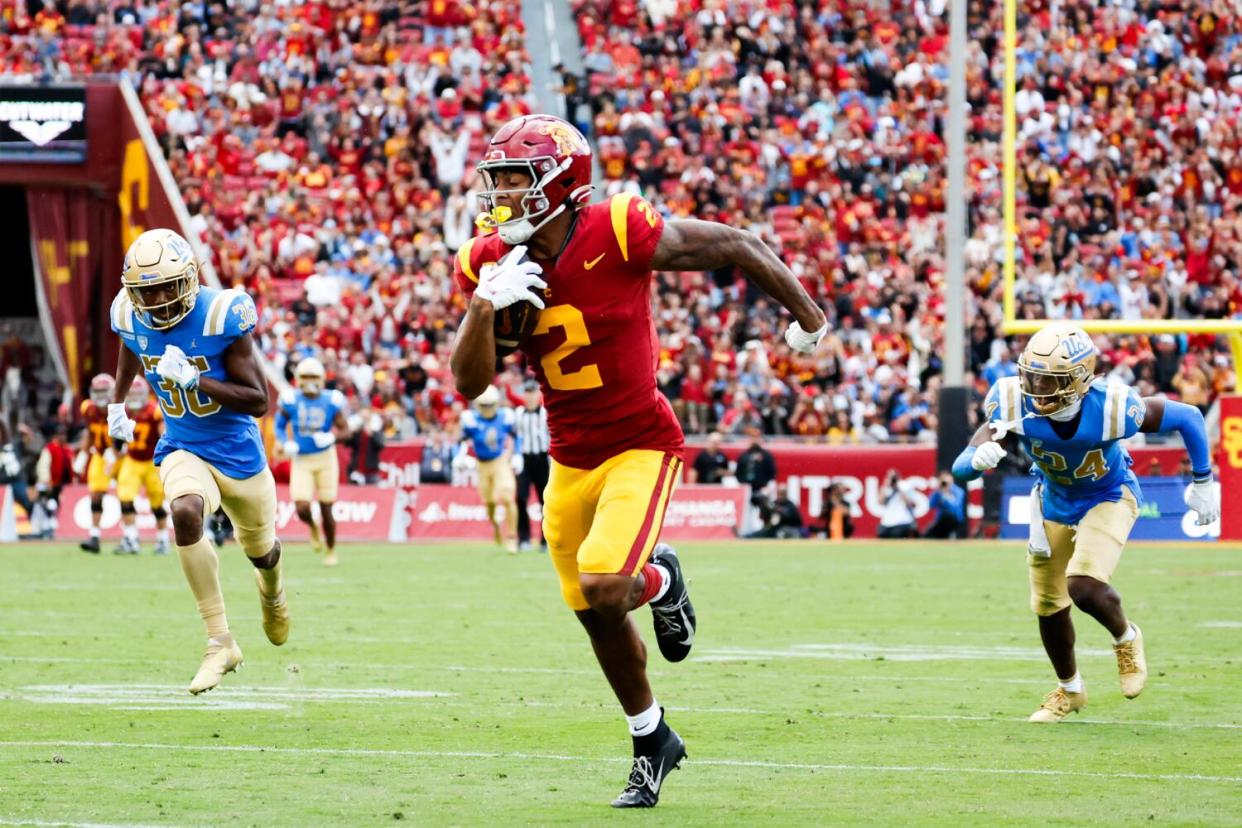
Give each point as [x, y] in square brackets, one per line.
[318, 420]
[193, 345]
[488, 429]
[1086, 498]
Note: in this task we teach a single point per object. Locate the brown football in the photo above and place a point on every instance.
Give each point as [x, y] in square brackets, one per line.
[514, 323]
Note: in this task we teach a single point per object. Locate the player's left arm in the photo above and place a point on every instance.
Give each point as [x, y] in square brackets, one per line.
[245, 388]
[690, 244]
[1163, 415]
[1157, 415]
[341, 427]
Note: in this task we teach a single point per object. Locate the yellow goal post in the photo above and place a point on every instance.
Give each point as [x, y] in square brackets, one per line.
[1013, 325]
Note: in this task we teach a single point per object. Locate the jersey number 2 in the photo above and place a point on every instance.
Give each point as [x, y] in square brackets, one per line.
[576, 336]
[174, 400]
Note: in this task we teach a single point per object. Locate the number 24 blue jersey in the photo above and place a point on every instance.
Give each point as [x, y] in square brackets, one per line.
[1087, 468]
[193, 422]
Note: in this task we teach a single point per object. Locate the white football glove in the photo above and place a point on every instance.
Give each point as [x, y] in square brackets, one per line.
[1037, 544]
[80, 462]
[10, 466]
[804, 342]
[510, 280]
[1203, 500]
[518, 463]
[987, 456]
[323, 439]
[290, 448]
[120, 426]
[177, 368]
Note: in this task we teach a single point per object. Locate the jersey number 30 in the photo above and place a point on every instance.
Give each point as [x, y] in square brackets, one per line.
[174, 400]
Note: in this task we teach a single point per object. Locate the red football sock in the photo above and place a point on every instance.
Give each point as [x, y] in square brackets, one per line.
[653, 579]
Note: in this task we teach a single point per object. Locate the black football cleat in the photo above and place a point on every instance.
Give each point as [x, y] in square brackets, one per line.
[673, 614]
[90, 545]
[650, 769]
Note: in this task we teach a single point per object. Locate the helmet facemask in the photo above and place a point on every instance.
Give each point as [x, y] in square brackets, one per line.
[1052, 391]
[310, 377]
[157, 311]
[542, 171]
[136, 399]
[102, 386]
[311, 386]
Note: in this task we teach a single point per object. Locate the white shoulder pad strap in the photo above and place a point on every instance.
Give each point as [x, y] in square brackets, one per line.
[123, 312]
[1114, 416]
[218, 312]
[1009, 392]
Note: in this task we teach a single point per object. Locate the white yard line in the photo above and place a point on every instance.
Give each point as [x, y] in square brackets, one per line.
[170, 697]
[556, 757]
[60, 823]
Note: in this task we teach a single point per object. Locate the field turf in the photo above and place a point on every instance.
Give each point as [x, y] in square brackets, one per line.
[447, 685]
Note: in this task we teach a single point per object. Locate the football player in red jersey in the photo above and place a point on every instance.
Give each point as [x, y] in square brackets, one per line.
[616, 445]
[96, 460]
[138, 471]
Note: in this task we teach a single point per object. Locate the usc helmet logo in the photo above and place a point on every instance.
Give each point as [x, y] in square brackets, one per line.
[567, 139]
[1231, 440]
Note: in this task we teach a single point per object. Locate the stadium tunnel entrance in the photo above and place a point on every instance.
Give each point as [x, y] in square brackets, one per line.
[73, 196]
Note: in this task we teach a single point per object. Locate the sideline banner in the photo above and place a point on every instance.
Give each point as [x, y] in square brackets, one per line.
[809, 469]
[1164, 515]
[441, 512]
[363, 513]
[1229, 461]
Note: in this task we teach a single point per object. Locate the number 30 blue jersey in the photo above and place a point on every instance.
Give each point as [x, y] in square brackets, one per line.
[193, 422]
[1090, 467]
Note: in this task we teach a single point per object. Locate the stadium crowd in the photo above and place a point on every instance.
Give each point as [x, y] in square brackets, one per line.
[325, 151]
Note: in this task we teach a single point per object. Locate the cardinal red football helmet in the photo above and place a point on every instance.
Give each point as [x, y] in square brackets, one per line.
[101, 389]
[558, 160]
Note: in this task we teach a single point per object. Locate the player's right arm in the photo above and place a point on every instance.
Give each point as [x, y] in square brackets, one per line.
[986, 450]
[127, 367]
[473, 361]
[287, 400]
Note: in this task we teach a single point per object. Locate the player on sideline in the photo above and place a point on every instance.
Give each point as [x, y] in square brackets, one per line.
[194, 346]
[96, 459]
[138, 471]
[489, 430]
[318, 419]
[1086, 499]
[615, 444]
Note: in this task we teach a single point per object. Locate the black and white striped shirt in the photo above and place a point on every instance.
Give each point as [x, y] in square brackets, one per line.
[532, 429]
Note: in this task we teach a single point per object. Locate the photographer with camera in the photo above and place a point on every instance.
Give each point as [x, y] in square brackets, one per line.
[781, 517]
[839, 524]
[949, 503]
[897, 508]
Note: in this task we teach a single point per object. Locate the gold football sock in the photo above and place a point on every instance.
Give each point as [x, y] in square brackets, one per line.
[270, 580]
[202, 571]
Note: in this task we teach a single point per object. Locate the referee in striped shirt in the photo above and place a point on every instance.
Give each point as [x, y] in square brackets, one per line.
[532, 434]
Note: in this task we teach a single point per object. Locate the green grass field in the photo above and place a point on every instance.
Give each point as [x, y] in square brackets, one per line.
[864, 684]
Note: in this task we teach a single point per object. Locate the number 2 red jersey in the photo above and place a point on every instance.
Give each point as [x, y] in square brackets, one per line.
[595, 349]
[147, 424]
